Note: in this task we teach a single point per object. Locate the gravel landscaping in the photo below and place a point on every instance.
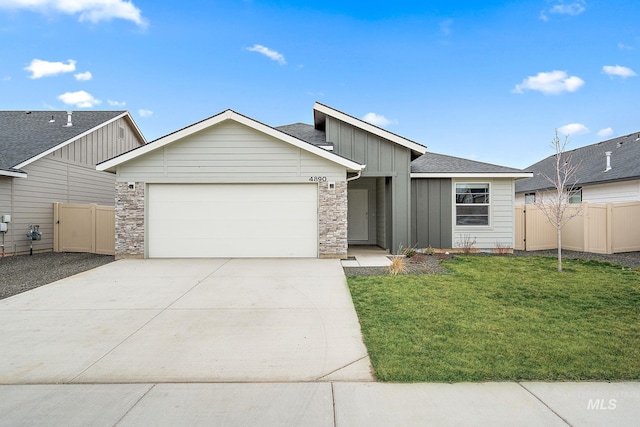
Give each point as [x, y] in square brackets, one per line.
[24, 272]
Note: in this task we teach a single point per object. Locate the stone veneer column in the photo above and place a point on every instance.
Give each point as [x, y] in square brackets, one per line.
[332, 220]
[129, 220]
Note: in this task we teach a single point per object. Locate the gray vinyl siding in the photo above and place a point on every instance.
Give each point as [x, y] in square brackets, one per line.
[229, 153]
[100, 145]
[501, 220]
[431, 203]
[51, 180]
[383, 159]
[67, 175]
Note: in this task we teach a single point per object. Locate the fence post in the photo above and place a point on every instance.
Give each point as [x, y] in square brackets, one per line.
[609, 228]
[93, 228]
[56, 227]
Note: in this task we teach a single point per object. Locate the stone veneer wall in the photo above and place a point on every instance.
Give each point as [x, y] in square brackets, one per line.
[129, 220]
[332, 220]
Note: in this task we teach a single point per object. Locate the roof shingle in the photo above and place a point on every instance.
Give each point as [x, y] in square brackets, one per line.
[592, 162]
[25, 134]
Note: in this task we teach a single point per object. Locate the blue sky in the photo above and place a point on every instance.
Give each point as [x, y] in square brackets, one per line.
[485, 80]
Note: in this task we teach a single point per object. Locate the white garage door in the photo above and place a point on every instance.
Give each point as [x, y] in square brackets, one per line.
[232, 220]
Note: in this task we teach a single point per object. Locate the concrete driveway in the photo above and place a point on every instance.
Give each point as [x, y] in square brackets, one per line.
[194, 320]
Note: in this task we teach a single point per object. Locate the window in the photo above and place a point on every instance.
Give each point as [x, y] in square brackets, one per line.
[575, 196]
[529, 198]
[472, 204]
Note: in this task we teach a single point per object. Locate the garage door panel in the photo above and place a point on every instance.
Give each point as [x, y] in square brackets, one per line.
[226, 220]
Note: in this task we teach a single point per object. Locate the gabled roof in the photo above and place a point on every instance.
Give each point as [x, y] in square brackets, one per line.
[592, 161]
[432, 165]
[321, 111]
[26, 136]
[110, 165]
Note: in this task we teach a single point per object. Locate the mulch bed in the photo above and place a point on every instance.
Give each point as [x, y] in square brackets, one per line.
[430, 264]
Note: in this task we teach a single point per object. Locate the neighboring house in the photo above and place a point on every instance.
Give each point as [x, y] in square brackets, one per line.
[230, 186]
[608, 172]
[50, 156]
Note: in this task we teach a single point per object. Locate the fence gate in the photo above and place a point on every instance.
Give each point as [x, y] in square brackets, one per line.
[83, 228]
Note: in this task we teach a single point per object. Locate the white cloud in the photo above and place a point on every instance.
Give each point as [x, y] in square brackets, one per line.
[573, 9]
[88, 10]
[378, 120]
[116, 103]
[573, 129]
[550, 83]
[145, 113]
[605, 132]
[623, 46]
[445, 27]
[40, 68]
[617, 70]
[271, 54]
[80, 99]
[83, 76]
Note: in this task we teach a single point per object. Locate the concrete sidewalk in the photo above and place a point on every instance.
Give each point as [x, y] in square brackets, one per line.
[322, 404]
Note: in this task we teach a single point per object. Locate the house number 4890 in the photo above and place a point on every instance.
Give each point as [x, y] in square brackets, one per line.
[318, 179]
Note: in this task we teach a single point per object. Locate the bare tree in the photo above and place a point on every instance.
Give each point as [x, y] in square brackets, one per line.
[554, 203]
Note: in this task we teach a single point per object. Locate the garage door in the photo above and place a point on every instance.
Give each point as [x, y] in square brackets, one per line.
[232, 220]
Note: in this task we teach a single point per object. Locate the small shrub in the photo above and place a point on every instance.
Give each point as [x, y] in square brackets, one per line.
[466, 243]
[429, 251]
[409, 252]
[398, 265]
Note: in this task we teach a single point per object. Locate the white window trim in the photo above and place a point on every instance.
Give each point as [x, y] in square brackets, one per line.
[455, 206]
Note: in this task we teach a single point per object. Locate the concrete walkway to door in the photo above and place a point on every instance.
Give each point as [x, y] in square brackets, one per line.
[191, 320]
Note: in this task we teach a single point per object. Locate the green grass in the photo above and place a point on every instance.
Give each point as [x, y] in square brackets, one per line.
[503, 318]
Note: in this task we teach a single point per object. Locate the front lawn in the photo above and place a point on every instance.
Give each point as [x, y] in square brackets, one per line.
[503, 318]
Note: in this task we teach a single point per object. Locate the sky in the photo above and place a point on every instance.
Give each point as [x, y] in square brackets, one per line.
[485, 80]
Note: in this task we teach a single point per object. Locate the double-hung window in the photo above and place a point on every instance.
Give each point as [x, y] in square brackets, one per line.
[472, 203]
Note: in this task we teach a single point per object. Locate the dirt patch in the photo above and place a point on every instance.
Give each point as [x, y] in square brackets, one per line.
[24, 272]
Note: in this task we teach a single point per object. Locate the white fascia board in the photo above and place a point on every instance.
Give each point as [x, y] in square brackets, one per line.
[67, 142]
[368, 127]
[219, 118]
[473, 175]
[13, 174]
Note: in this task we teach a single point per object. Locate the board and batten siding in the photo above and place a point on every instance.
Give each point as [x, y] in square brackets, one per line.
[229, 152]
[383, 158]
[102, 144]
[381, 239]
[431, 215]
[501, 216]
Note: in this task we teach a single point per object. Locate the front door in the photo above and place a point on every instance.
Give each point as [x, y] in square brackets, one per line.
[358, 214]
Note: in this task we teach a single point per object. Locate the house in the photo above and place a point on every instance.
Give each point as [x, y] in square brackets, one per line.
[231, 186]
[608, 172]
[50, 156]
